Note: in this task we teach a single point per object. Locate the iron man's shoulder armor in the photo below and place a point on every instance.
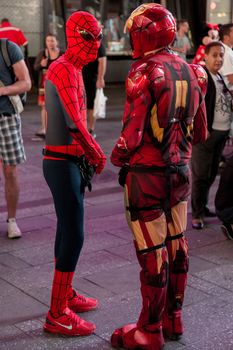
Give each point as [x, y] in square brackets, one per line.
[140, 77]
[201, 76]
[137, 80]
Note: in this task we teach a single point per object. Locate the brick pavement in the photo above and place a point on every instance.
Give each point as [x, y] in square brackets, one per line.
[107, 269]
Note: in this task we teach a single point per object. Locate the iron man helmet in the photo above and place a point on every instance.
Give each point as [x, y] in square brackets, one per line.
[151, 27]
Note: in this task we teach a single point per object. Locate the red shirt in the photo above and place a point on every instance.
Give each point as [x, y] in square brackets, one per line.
[13, 34]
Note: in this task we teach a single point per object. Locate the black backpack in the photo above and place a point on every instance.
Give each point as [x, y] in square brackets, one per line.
[8, 63]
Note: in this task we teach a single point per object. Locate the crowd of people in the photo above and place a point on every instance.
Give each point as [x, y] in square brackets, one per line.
[161, 137]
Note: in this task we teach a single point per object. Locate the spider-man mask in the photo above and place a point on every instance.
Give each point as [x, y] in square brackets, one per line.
[83, 34]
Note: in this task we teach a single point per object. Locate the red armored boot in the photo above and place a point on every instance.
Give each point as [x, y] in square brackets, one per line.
[178, 268]
[60, 319]
[147, 333]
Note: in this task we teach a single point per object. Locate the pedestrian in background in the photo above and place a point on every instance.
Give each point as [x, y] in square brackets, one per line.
[11, 142]
[181, 44]
[42, 63]
[68, 143]
[15, 34]
[226, 37]
[206, 156]
[164, 114]
[93, 77]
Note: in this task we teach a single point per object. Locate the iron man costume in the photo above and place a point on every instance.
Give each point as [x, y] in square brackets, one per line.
[164, 114]
[67, 138]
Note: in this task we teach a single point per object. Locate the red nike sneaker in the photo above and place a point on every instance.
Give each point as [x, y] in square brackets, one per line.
[68, 324]
[79, 303]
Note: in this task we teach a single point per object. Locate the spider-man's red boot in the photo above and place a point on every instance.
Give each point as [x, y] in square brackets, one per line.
[80, 303]
[60, 319]
[132, 337]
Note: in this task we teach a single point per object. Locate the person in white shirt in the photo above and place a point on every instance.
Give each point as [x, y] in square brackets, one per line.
[206, 156]
[226, 37]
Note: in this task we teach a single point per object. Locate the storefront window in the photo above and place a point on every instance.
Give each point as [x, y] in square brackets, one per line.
[117, 42]
[116, 13]
[219, 11]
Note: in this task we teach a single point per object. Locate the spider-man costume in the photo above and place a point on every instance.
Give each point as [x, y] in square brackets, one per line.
[67, 141]
[164, 114]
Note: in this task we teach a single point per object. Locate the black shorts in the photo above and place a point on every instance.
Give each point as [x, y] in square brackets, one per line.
[90, 87]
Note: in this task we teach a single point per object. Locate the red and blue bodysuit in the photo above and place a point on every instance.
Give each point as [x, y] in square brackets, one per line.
[164, 115]
[67, 139]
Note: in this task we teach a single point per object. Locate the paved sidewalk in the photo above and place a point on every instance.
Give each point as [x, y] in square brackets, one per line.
[107, 268]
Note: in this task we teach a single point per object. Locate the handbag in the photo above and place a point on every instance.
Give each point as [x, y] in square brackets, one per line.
[15, 101]
[99, 111]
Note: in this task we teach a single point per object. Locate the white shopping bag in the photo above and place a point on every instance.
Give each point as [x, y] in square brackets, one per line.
[99, 111]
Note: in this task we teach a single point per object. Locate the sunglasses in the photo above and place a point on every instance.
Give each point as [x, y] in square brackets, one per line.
[89, 36]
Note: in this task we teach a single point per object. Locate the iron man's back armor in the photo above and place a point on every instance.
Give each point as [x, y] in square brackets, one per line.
[164, 112]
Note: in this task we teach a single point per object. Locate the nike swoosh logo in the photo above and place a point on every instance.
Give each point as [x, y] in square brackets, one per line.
[64, 326]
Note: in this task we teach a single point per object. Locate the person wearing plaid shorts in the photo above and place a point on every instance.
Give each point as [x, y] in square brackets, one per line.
[13, 82]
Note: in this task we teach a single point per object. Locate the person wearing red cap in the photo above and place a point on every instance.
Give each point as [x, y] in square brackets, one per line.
[12, 33]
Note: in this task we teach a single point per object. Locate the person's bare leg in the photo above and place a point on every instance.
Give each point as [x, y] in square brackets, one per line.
[43, 117]
[11, 189]
[43, 122]
[91, 119]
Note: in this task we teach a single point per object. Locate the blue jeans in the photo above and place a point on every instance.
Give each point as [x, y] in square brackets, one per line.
[64, 180]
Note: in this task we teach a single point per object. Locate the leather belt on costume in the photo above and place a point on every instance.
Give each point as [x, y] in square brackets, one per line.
[171, 169]
[87, 171]
[145, 169]
[60, 155]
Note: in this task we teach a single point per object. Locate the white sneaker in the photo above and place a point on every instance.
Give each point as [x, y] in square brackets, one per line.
[13, 230]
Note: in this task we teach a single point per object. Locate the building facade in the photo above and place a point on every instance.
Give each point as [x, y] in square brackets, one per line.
[39, 17]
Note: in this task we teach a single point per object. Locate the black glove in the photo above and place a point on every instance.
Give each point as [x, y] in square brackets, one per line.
[122, 175]
[87, 172]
